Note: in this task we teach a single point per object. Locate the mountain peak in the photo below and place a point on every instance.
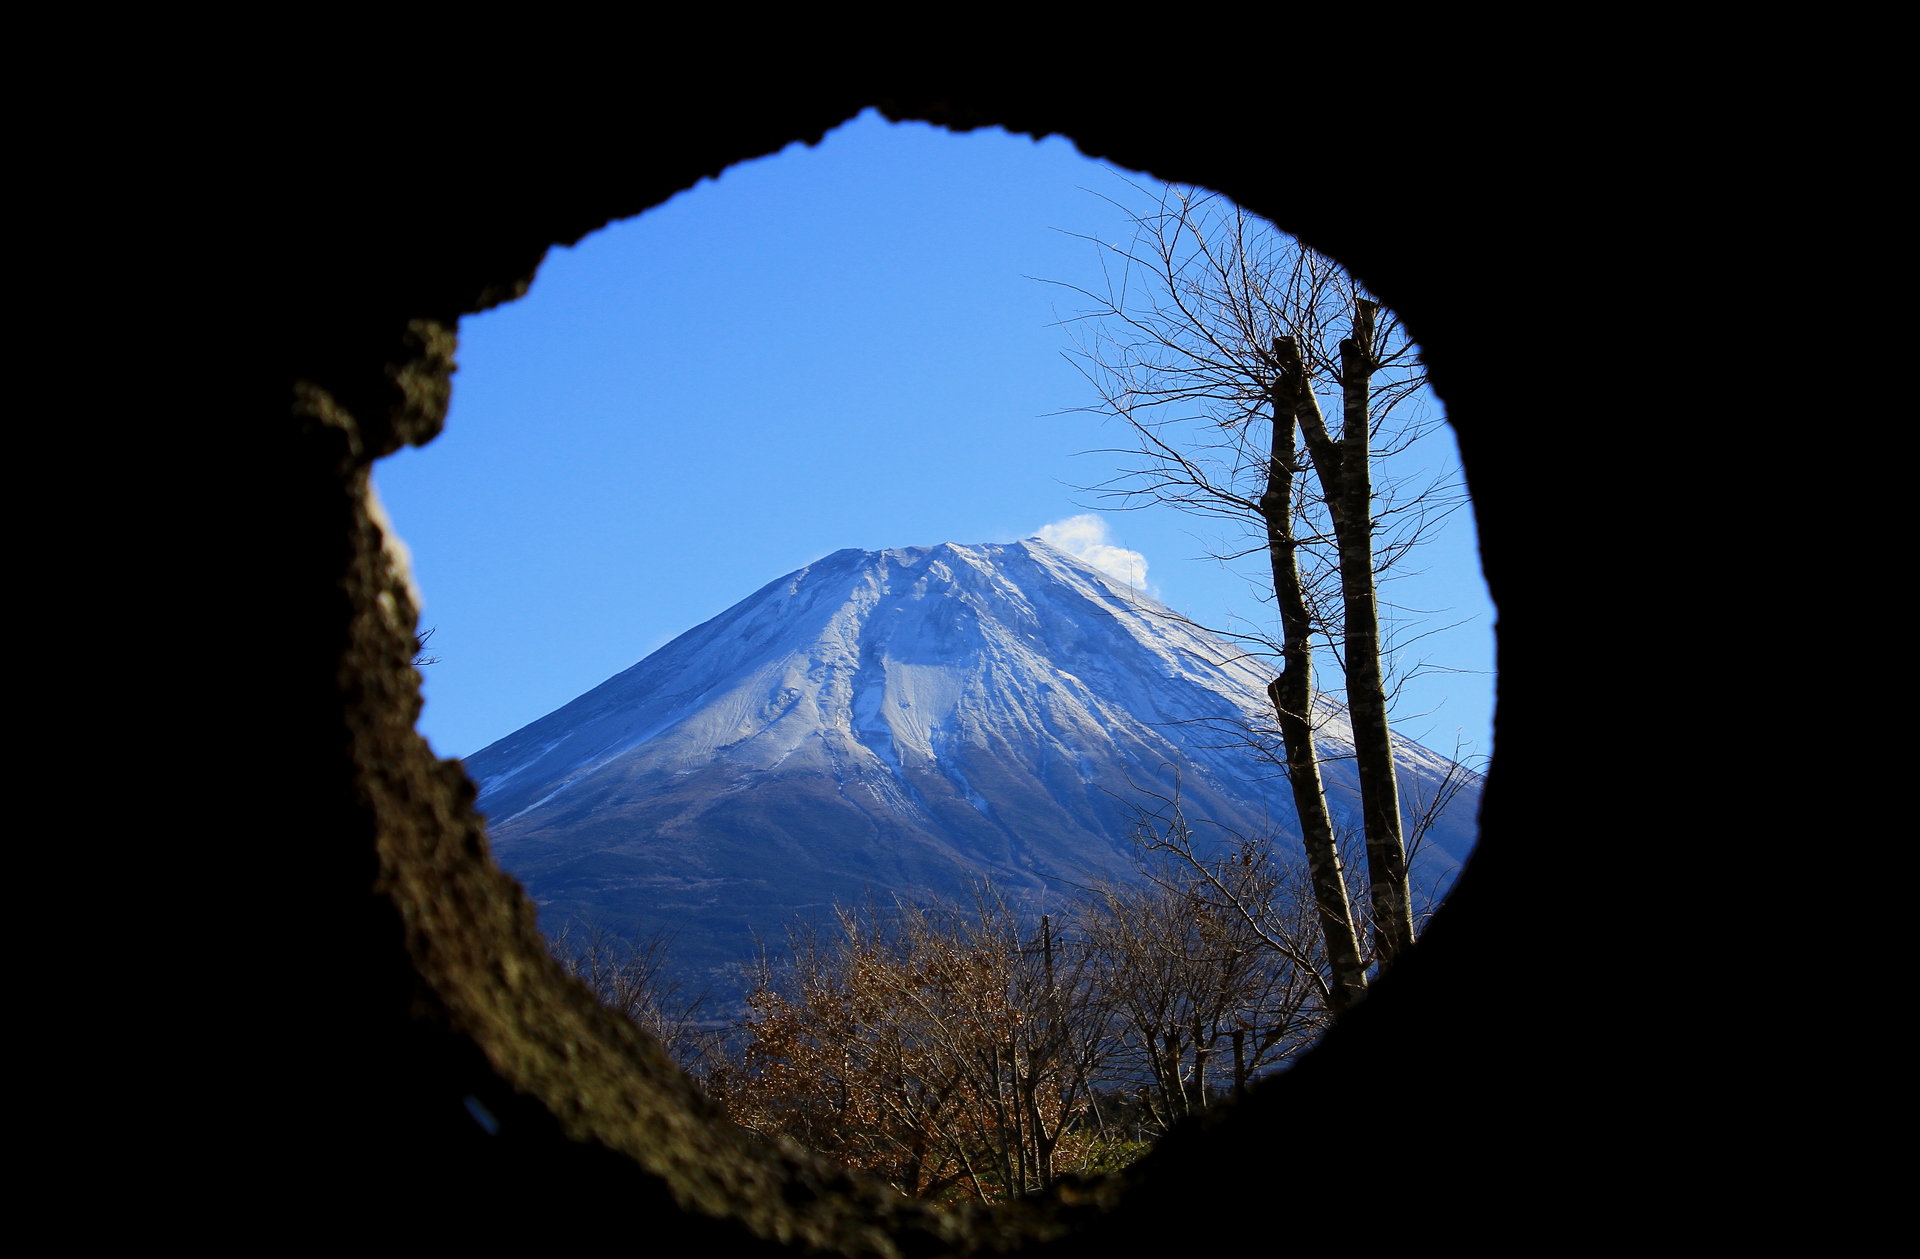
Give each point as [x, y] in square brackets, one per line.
[885, 722]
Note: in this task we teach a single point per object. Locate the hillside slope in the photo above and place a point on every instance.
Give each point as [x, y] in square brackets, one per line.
[892, 722]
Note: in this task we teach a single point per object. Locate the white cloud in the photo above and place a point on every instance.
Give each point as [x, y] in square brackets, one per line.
[1088, 538]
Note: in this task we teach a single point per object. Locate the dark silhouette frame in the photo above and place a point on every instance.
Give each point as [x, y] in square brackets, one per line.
[409, 1049]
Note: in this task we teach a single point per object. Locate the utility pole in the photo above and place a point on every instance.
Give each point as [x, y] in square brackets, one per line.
[1045, 949]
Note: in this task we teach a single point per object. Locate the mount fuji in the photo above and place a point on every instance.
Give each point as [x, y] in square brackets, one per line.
[898, 722]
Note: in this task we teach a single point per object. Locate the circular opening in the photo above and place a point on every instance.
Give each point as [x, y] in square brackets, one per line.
[852, 379]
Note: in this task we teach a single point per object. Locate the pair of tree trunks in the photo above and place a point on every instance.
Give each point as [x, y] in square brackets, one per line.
[1238, 314]
[1344, 468]
[1292, 692]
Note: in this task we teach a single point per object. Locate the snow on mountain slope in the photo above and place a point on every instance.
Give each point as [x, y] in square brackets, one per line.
[881, 723]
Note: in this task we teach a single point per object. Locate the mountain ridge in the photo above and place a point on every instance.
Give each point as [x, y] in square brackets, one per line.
[901, 722]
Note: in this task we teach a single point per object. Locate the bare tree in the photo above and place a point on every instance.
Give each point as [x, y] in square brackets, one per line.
[421, 658]
[971, 1050]
[1429, 801]
[948, 1049]
[1200, 1002]
[1213, 340]
[629, 976]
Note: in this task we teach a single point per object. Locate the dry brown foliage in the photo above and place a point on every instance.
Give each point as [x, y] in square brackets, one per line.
[978, 1052]
[945, 1049]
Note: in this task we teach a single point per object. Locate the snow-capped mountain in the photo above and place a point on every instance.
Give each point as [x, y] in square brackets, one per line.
[891, 722]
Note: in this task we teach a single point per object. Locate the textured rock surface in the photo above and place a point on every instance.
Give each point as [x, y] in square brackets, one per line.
[321, 1084]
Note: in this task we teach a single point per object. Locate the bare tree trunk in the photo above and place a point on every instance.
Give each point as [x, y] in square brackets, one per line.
[1202, 1056]
[1292, 691]
[1346, 477]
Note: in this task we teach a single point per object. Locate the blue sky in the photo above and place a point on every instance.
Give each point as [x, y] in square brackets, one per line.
[841, 346]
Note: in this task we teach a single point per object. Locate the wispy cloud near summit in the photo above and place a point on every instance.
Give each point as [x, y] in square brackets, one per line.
[1087, 537]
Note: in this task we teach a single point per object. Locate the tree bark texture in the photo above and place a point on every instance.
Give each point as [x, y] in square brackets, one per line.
[1292, 694]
